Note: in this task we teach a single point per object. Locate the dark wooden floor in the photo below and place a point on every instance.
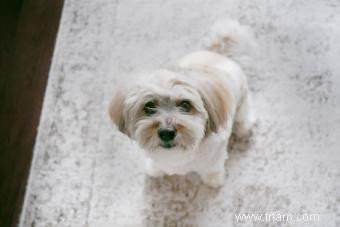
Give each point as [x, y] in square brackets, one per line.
[28, 30]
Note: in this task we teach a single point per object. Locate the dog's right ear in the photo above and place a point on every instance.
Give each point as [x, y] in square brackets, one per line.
[116, 109]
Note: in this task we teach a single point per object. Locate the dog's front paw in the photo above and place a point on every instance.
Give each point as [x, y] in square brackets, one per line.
[152, 170]
[214, 179]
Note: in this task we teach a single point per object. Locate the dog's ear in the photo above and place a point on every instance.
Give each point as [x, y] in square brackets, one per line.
[217, 102]
[116, 109]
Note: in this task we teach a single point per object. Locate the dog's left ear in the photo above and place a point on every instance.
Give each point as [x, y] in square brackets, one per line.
[217, 102]
[116, 109]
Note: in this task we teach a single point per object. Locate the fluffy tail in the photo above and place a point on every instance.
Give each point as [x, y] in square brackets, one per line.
[236, 41]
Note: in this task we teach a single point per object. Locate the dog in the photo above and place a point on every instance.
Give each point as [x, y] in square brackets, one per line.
[183, 115]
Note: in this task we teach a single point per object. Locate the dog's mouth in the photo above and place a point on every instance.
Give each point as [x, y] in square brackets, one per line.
[167, 145]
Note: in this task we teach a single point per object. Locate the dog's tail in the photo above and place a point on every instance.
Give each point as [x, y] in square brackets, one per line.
[230, 38]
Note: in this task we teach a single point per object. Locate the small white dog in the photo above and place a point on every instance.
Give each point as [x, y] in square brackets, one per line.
[183, 115]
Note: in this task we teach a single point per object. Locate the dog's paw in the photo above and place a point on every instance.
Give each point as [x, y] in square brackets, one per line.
[214, 179]
[152, 171]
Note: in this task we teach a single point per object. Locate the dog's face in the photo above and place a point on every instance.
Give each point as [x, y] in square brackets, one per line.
[170, 117]
[171, 110]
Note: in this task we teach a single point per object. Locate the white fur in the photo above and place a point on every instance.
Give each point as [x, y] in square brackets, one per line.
[202, 144]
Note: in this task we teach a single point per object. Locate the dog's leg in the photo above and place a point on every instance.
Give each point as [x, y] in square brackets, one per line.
[214, 174]
[214, 179]
[152, 170]
[245, 119]
[211, 164]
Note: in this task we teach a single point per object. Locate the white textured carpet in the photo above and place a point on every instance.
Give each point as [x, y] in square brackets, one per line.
[86, 174]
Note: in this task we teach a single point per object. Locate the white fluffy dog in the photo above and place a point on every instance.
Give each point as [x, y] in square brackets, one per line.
[183, 115]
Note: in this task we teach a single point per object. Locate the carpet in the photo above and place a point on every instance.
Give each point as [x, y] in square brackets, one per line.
[87, 174]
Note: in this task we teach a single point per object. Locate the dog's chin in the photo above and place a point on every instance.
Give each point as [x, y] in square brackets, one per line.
[171, 146]
[167, 145]
[170, 155]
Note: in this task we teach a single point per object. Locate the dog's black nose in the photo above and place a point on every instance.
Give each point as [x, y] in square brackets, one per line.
[166, 135]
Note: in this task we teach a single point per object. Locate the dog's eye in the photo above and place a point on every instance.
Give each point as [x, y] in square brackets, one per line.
[150, 108]
[185, 106]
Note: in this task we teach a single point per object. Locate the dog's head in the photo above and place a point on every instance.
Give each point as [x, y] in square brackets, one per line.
[172, 109]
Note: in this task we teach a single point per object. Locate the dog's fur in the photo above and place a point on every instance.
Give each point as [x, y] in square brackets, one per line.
[214, 90]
